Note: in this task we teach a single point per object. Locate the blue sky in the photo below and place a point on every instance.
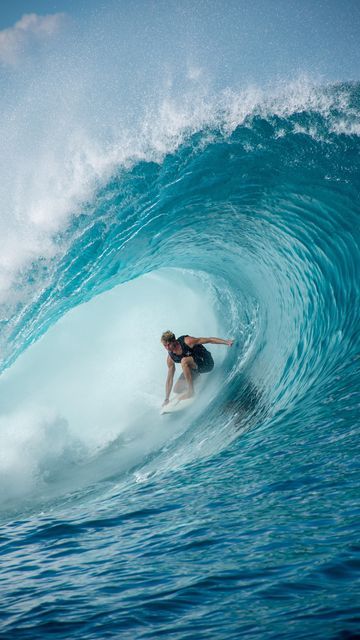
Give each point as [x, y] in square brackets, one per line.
[245, 40]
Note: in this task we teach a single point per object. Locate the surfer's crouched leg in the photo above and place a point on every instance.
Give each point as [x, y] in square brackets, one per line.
[181, 383]
[188, 366]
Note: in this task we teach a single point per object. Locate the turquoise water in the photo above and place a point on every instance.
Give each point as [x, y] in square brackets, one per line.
[240, 517]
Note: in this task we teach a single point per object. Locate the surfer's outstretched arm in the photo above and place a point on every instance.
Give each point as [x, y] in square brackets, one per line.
[169, 379]
[191, 342]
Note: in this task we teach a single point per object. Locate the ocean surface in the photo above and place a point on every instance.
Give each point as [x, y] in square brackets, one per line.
[238, 518]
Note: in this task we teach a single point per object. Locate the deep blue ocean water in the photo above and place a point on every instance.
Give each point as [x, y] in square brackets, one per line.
[239, 518]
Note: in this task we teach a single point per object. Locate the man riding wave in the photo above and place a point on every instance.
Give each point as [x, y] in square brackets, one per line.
[193, 357]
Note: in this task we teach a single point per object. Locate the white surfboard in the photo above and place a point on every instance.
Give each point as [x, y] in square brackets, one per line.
[176, 404]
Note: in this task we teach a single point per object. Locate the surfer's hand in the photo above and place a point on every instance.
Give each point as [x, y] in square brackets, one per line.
[230, 343]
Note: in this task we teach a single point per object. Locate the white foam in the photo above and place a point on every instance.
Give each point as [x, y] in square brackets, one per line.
[96, 380]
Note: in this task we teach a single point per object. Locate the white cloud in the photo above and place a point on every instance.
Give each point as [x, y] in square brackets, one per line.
[31, 28]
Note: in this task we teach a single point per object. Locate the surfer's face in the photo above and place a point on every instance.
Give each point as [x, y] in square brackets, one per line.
[170, 346]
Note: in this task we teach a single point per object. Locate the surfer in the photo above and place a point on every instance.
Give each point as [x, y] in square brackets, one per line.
[192, 356]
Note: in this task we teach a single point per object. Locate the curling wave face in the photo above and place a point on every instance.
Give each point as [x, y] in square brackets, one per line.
[253, 214]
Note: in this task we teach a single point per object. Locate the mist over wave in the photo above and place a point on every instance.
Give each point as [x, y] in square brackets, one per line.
[95, 381]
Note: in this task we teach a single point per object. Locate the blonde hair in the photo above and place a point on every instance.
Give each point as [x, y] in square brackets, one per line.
[168, 336]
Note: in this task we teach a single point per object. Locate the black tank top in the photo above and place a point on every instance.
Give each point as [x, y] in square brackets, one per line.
[186, 350]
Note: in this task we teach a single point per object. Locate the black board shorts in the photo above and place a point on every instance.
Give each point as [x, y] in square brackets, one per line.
[203, 366]
[204, 360]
